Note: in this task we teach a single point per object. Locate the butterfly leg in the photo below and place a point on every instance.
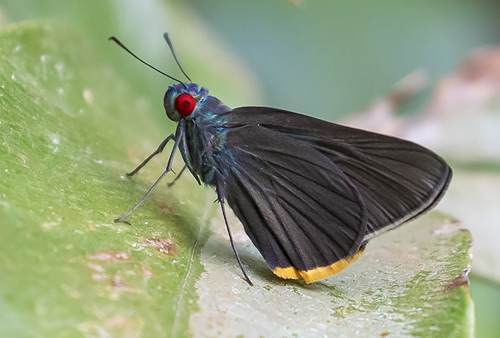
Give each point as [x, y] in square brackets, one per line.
[167, 170]
[177, 177]
[222, 204]
[156, 152]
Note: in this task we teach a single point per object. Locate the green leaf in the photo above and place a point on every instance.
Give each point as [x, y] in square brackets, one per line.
[69, 129]
[65, 142]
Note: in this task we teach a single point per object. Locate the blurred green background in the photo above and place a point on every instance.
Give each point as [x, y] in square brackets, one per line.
[323, 58]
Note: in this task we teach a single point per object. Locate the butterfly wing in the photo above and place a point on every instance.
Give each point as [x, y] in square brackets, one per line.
[310, 193]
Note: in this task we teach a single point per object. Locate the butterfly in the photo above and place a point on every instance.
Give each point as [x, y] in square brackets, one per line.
[310, 194]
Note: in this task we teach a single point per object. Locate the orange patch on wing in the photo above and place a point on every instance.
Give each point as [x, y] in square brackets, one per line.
[319, 273]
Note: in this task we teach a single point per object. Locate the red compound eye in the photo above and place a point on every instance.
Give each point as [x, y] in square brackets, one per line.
[184, 104]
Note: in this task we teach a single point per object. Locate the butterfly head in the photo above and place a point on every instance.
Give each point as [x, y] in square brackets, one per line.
[183, 99]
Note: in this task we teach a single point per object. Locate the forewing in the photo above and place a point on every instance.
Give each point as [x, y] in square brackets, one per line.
[397, 180]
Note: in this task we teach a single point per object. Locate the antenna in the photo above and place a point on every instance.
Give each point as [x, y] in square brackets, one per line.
[165, 35]
[118, 42]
